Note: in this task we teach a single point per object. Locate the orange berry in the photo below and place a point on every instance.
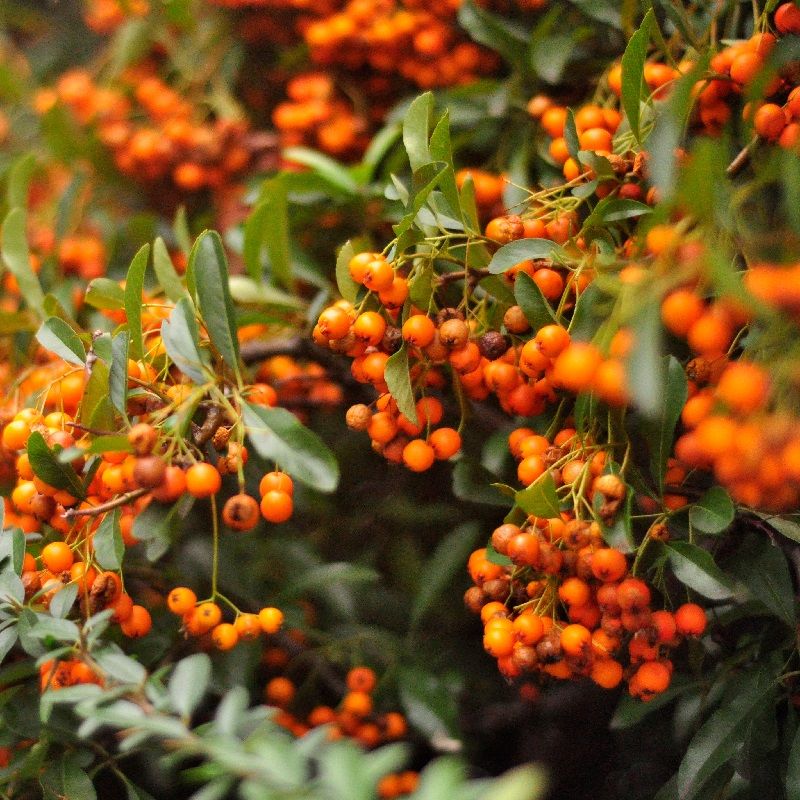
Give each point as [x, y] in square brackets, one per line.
[361, 679]
[576, 640]
[138, 623]
[690, 620]
[743, 387]
[271, 619]
[224, 636]
[203, 480]
[57, 557]
[181, 600]
[418, 455]
[446, 442]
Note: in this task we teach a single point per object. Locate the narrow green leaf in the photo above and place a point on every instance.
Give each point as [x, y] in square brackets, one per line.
[715, 744]
[398, 379]
[180, 227]
[513, 253]
[532, 302]
[14, 249]
[633, 60]
[695, 568]
[210, 275]
[134, 285]
[56, 336]
[540, 498]
[571, 135]
[335, 174]
[430, 703]
[107, 540]
[19, 179]
[713, 512]
[659, 428]
[416, 131]
[644, 366]
[118, 376]
[472, 482]
[189, 682]
[521, 783]
[268, 225]
[324, 576]
[348, 288]
[96, 408]
[47, 467]
[181, 340]
[167, 276]
[62, 601]
[104, 293]
[277, 435]
[497, 33]
[438, 571]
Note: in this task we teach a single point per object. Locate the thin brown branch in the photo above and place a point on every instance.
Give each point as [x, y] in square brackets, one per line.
[743, 157]
[95, 511]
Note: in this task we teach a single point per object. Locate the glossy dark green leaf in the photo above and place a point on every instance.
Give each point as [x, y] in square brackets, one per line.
[19, 179]
[713, 512]
[633, 83]
[107, 541]
[332, 172]
[715, 743]
[571, 135]
[16, 256]
[277, 435]
[446, 561]
[398, 379]
[96, 408]
[134, 286]
[497, 33]
[58, 337]
[696, 568]
[425, 180]
[529, 296]
[158, 524]
[47, 467]
[268, 227]
[615, 209]
[210, 277]
[540, 498]
[513, 253]
[166, 274]
[181, 340]
[472, 483]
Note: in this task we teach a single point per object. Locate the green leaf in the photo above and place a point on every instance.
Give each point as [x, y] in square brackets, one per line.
[713, 512]
[104, 293]
[181, 340]
[571, 135]
[631, 711]
[644, 366]
[325, 576]
[12, 547]
[348, 288]
[438, 571]
[615, 209]
[124, 668]
[522, 783]
[532, 302]
[209, 268]
[332, 172]
[268, 225]
[157, 524]
[11, 587]
[107, 540]
[424, 181]
[8, 638]
[277, 435]
[14, 249]
[96, 409]
[540, 498]
[472, 483]
[12, 322]
[167, 276]
[180, 227]
[793, 769]
[416, 131]
[633, 82]
[762, 568]
[513, 253]
[430, 704]
[118, 375]
[134, 285]
[659, 428]
[695, 568]
[189, 682]
[19, 179]
[398, 379]
[496, 33]
[47, 467]
[715, 744]
[62, 601]
[56, 336]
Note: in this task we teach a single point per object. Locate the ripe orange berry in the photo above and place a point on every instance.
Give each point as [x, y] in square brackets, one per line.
[633, 594]
[240, 512]
[378, 275]
[181, 600]
[576, 640]
[652, 678]
[574, 592]
[248, 627]
[498, 637]
[15, 434]
[271, 619]
[276, 481]
[419, 330]
[680, 310]
[57, 557]
[769, 121]
[280, 692]
[225, 636]
[334, 323]
[276, 506]
[358, 703]
[446, 442]
[528, 628]
[575, 367]
[690, 620]
[203, 480]
[743, 387]
[361, 679]
[173, 487]
[369, 327]
[138, 623]
[606, 672]
[418, 455]
[609, 564]
[552, 340]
